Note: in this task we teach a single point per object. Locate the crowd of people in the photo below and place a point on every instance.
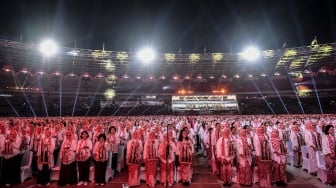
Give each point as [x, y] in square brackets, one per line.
[253, 148]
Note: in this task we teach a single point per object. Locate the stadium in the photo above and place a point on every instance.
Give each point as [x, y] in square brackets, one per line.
[175, 93]
[91, 82]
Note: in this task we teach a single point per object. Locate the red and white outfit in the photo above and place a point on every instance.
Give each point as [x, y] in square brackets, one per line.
[279, 153]
[313, 141]
[185, 150]
[263, 158]
[25, 140]
[297, 141]
[10, 150]
[133, 160]
[164, 171]
[216, 134]
[113, 140]
[225, 151]
[328, 149]
[210, 145]
[100, 155]
[123, 136]
[34, 143]
[45, 159]
[244, 151]
[45, 152]
[83, 152]
[68, 171]
[151, 157]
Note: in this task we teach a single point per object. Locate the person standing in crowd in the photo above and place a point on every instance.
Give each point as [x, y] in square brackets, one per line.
[329, 152]
[185, 150]
[98, 131]
[86, 127]
[167, 150]
[34, 143]
[113, 140]
[263, 157]
[151, 159]
[313, 141]
[57, 134]
[141, 135]
[172, 132]
[198, 132]
[134, 159]
[10, 149]
[209, 143]
[123, 139]
[216, 134]
[123, 134]
[203, 135]
[83, 153]
[2, 141]
[244, 153]
[68, 171]
[226, 151]
[100, 155]
[297, 140]
[25, 140]
[45, 159]
[158, 133]
[279, 154]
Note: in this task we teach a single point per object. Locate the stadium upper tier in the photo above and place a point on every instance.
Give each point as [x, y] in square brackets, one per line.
[282, 69]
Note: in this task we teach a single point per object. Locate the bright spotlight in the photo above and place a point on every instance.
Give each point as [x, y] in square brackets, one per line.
[109, 93]
[251, 53]
[146, 55]
[48, 48]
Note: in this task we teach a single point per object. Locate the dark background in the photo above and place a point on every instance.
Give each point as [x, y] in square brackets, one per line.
[170, 25]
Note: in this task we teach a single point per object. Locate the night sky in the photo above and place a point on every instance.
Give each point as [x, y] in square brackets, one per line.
[167, 25]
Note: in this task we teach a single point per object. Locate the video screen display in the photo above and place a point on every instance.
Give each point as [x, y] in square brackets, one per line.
[204, 103]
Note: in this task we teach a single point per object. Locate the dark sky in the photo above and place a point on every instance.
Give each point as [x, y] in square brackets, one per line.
[167, 25]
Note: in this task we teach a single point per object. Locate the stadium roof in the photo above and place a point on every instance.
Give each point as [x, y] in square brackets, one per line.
[118, 67]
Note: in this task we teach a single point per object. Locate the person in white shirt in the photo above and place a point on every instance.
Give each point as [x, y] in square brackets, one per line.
[216, 135]
[10, 149]
[100, 156]
[34, 142]
[185, 150]
[113, 140]
[57, 134]
[99, 130]
[328, 149]
[45, 159]
[25, 140]
[158, 133]
[83, 153]
[263, 157]
[297, 140]
[279, 153]
[244, 155]
[68, 171]
[210, 145]
[134, 159]
[123, 137]
[313, 141]
[202, 133]
[167, 150]
[226, 151]
[151, 158]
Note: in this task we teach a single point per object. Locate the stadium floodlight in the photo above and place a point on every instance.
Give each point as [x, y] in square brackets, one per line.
[48, 48]
[251, 53]
[146, 55]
